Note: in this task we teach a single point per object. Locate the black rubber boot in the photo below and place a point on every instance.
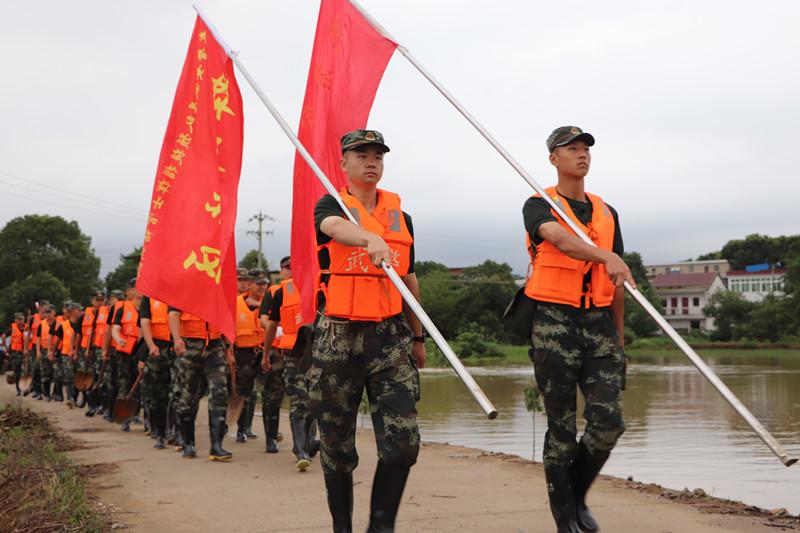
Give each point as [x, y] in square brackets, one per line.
[187, 434]
[271, 422]
[250, 406]
[217, 429]
[109, 414]
[387, 491]
[586, 468]
[299, 444]
[339, 487]
[562, 498]
[45, 391]
[158, 425]
[312, 443]
[240, 425]
[57, 395]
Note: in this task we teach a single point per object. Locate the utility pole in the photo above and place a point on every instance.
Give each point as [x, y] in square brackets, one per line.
[260, 218]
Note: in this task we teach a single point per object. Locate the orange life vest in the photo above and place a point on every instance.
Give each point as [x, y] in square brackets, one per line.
[193, 327]
[555, 277]
[67, 335]
[16, 338]
[356, 289]
[44, 337]
[130, 331]
[111, 320]
[37, 319]
[276, 342]
[291, 314]
[159, 321]
[247, 335]
[100, 326]
[86, 326]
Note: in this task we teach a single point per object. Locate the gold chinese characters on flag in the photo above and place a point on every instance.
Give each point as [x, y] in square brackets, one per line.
[189, 254]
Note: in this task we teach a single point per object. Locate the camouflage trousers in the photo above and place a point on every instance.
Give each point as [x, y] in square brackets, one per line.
[158, 377]
[84, 362]
[126, 373]
[15, 364]
[571, 349]
[200, 365]
[274, 385]
[347, 358]
[246, 370]
[46, 368]
[64, 370]
[296, 389]
[110, 376]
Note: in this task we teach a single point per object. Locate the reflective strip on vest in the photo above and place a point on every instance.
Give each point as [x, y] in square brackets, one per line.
[356, 289]
[557, 278]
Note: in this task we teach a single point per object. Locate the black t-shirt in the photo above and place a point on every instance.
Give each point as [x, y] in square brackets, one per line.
[59, 332]
[275, 306]
[266, 302]
[327, 206]
[537, 211]
[144, 308]
[117, 318]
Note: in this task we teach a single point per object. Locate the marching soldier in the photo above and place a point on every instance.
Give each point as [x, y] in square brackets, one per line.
[44, 359]
[158, 365]
[285, 311]
[94, 351]
[272, 364]
[63, 346]
[577, 327]
[200, 355]
[257, 290]
[84, 358]
[33, 364]
[365, 337]
[109, 356]
[126, 332]
[16, 348]
[246, 347]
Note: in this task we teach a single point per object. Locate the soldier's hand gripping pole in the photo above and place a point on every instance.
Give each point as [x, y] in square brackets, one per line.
[704, 369]
[427, 323]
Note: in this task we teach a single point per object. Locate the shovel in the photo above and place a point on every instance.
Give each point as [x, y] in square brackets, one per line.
[125, 408]
[83, 380]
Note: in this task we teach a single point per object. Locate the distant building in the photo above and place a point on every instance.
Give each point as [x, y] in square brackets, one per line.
[685, 295]
[754, 285]
[718, 266]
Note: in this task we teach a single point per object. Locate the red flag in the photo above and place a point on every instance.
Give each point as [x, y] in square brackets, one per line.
[347, 64]
[189, 255]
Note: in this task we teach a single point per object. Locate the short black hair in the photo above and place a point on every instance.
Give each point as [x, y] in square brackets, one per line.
[287, 259]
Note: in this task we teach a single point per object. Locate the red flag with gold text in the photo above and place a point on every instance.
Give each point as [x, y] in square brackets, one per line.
[347, 63]
[189, 254]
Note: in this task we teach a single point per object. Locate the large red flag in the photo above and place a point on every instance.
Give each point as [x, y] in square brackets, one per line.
[347, 64]
[189, 255]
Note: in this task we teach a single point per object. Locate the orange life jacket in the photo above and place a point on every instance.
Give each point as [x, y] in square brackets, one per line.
[16, 338]
[193, 327]
[291, 314]
[44, 337]
[86, 326]
[247, 335]
[37, 319]
[111, 319]
[276, 342]
[555, 277]
[67, 334]
[159, 320]
[356, 289]
[100, 326]
[130, 331]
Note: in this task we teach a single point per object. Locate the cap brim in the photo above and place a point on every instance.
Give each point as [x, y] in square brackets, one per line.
[587, 137]
[355, 145]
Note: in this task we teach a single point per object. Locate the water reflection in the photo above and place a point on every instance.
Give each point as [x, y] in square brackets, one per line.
[680, 431]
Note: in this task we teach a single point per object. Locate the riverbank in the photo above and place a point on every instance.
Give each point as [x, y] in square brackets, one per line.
[451, 489]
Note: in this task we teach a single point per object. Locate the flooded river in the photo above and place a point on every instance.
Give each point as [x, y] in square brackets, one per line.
[680, 432]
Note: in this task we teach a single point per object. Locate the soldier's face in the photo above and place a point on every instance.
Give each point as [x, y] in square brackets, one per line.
[19, 321]
[364, 165]
[258, 289]
[241, 284]
[573, 159]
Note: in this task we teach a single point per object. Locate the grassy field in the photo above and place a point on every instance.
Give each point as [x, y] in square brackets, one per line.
[40, 488]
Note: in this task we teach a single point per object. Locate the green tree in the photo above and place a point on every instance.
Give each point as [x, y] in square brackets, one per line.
[423, 268]
[440, 293]
[19, 297]
[730, 311]
[709, 256]
[637, 320]
[125, 271]
[488, 288]
[42, 243]
[755, 249]
[251, 260]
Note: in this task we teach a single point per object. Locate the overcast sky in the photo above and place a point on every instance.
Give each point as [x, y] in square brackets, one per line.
[694, 106]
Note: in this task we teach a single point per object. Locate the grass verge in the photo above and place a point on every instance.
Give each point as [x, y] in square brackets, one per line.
[40, 488]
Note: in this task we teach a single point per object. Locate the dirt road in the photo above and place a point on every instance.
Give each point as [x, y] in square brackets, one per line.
[451, 488]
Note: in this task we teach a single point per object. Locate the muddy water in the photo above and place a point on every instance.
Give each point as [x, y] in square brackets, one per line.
[680, 432]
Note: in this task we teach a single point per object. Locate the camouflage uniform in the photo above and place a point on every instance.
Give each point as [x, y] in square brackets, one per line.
[347, 357]
[274, 385]
[578, 348]
[126, 372]
[15, 365]
[194, 367]
[157, 376]
[296, 389]
[110, 384]
[246, 361]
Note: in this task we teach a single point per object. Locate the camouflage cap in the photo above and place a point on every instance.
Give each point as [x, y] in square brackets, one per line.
[74, 305]
[118, 294]
[19, 316]
[132, 283]
[357, 138]
[256, 273]
[99, 294]
[242, 273]
[566, 134]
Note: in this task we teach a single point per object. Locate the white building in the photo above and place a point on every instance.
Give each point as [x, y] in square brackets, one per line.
[719, 266]
[755, 286]
[685, 295]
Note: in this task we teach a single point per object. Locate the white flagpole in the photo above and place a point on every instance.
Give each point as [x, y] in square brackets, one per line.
[409, 299]
[698, 362]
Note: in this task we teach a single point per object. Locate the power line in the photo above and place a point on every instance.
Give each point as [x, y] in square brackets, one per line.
[67, 205]
[260, 233]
